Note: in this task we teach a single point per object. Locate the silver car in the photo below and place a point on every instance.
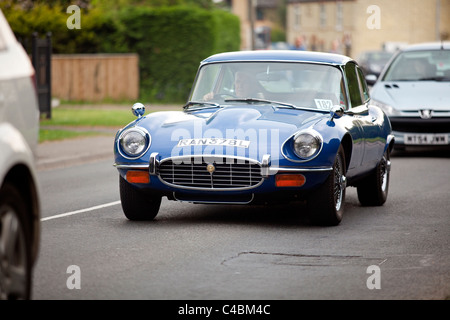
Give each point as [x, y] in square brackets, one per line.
[19, 194]
[414, 91]
[373, 62]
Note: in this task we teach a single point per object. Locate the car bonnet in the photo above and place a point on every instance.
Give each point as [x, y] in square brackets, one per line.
[265, 126]
[416, 95]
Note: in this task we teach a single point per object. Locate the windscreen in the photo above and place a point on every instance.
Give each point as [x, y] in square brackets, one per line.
[420, 66]
[301, 84]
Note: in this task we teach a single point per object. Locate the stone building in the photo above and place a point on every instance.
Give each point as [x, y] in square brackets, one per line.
[353, 26]
[258, 19]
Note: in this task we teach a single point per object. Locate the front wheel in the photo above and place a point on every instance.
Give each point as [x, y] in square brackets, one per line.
[326, 204]
[137, 205]
[15, 246]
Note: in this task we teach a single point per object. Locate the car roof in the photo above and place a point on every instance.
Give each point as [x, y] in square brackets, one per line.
[445, 45]
[279, 55]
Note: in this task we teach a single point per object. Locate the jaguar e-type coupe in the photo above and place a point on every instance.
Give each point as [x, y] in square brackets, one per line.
[260, 127]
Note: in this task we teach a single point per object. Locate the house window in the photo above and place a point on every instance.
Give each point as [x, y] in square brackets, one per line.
[323, 15]
[297, 17]
[339, 15]
[259, 14]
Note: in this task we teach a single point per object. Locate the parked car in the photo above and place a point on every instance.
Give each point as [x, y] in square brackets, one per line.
[260, 127]
[280, 46]
[19, 194]
[373, 62]
[414, 91]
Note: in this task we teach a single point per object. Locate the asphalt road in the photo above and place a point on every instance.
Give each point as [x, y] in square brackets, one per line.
[399, 251]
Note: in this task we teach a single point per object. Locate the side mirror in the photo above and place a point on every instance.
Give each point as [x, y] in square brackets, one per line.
[336, 112]
[371, 79]
[138, 109]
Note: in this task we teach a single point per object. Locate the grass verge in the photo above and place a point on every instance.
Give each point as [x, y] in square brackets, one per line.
[89, 117]
[58, 134]
[72, 121]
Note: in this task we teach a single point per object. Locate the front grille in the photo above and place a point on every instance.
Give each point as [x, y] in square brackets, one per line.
[417, 125]
[228, 173]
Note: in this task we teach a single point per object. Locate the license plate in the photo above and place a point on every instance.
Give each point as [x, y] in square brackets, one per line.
[214, 142]
[426, 139]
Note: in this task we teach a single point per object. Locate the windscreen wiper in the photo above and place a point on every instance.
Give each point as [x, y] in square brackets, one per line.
[201, 105]
[435, 79]
[263, 101]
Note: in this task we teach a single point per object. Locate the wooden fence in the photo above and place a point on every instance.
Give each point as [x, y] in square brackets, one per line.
[95, 77]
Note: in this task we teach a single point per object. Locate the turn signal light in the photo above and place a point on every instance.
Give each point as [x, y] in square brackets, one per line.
[290, 180]
[138, 177]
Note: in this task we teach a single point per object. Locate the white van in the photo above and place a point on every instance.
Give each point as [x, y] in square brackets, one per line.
[19, 194]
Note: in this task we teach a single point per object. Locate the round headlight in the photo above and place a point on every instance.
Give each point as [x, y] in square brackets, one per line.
[134, 142]
[307, 144]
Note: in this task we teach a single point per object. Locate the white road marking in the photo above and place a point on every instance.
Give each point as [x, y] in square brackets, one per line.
[62, 215]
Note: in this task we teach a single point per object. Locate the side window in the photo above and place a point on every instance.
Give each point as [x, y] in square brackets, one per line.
[343, 101]
[353, 85]
[364, 88]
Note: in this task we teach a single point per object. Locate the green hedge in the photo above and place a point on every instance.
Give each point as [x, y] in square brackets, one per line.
[170, 41]
[43, 19]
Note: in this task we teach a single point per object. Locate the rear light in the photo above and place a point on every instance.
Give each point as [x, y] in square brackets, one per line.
[33, 79]
[138, 177]
[290, 180]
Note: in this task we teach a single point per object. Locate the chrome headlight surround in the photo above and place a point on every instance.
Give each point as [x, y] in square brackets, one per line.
[133, 142]
[307, 144]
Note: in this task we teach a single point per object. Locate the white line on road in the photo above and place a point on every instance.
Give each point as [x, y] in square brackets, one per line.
[81, 211]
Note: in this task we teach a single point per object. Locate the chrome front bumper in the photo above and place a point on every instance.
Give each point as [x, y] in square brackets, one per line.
[266, 168]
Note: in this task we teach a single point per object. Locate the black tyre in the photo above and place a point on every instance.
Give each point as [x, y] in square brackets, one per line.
[137, 205]
[326, 204]
[15, 246]
[373, 189]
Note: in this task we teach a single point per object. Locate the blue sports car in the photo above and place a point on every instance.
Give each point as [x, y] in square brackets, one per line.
[260, 127]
